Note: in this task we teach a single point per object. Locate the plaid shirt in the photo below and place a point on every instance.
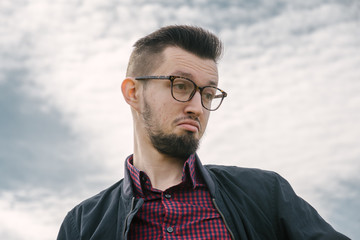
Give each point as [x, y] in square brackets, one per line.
[184, 211]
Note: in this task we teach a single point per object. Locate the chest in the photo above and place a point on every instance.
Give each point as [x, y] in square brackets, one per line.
[184, 213]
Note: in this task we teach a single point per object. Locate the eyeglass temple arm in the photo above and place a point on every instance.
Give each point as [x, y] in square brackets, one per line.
[222, 95]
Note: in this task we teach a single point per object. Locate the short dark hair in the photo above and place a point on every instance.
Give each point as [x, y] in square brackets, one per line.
[147, 50]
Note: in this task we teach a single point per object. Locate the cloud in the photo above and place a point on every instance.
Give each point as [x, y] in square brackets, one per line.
[29, 136]
[24, 218]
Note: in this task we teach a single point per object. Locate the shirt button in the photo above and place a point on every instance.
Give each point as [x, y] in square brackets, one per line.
[168, 196]
[169, 229]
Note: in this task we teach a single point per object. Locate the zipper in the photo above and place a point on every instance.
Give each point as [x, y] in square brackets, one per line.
[127, 216]
[223, 218]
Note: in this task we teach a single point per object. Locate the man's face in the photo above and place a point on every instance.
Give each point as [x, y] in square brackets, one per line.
[175, 128]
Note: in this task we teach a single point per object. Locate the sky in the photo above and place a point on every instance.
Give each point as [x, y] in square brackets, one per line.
[291, 70]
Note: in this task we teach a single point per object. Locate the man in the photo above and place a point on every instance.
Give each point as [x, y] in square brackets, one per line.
[171, 87]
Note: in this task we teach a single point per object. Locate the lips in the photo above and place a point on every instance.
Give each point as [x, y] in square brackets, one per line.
[189, 125]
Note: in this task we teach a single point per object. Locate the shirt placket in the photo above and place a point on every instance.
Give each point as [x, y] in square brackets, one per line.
[171, 214]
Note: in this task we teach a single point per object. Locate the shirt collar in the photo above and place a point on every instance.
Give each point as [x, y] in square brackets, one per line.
[141, 181]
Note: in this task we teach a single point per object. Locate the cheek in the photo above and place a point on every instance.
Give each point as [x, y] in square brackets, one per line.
[162, 109]
[166, 114]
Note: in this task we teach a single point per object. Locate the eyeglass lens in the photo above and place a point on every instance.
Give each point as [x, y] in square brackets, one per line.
[183, 90]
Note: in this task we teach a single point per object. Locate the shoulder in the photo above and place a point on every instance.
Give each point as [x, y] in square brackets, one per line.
[240, 173]
[86, 217]
[104, 197]
[265, 195]
[249, 181]
[97, 205]
[255, 191]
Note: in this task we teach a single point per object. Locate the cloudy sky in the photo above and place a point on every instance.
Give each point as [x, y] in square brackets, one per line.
[291, 69]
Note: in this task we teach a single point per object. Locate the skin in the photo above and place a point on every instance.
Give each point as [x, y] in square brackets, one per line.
[168, 115]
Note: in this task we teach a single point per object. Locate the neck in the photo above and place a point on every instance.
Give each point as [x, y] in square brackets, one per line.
[163, 171]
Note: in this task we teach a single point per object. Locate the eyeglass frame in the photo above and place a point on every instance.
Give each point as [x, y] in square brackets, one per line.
[172, 78]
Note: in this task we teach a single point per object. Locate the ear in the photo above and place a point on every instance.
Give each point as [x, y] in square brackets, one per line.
[130, 91]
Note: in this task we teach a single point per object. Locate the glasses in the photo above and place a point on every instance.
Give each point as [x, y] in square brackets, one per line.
[184, 89]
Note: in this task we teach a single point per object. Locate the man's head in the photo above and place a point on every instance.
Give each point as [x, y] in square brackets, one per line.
[171, 126]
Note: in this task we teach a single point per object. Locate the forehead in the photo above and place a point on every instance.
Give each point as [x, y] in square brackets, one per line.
[177, 61]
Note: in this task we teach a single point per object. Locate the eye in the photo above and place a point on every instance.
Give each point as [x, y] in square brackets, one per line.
[179, 86]
[209, 93]
[208, 96]
[182, 85]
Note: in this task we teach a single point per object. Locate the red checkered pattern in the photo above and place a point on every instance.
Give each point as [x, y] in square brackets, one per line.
[184, 211]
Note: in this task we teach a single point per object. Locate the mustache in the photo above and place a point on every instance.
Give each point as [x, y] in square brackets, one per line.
[187, 118]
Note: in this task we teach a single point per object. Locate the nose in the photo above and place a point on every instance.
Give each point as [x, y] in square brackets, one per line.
[194, 106]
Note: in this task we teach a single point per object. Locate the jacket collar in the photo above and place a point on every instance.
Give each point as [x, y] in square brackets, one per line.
[127, 190]
[206, 176]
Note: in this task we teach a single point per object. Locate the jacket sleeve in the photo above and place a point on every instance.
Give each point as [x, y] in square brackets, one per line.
[68, 230]
[297, 219]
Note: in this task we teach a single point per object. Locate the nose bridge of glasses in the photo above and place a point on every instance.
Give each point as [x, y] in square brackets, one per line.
[193, 93]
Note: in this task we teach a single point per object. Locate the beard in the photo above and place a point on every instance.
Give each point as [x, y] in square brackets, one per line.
[173, 145]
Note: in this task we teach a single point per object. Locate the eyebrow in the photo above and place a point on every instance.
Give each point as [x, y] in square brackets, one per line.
[190, 76]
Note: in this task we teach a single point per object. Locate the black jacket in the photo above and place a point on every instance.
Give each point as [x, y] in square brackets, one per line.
[253, 203]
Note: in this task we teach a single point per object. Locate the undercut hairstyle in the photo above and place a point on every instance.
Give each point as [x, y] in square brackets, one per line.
[147, 53]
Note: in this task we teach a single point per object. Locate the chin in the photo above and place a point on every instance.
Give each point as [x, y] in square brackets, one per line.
[190, 133]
